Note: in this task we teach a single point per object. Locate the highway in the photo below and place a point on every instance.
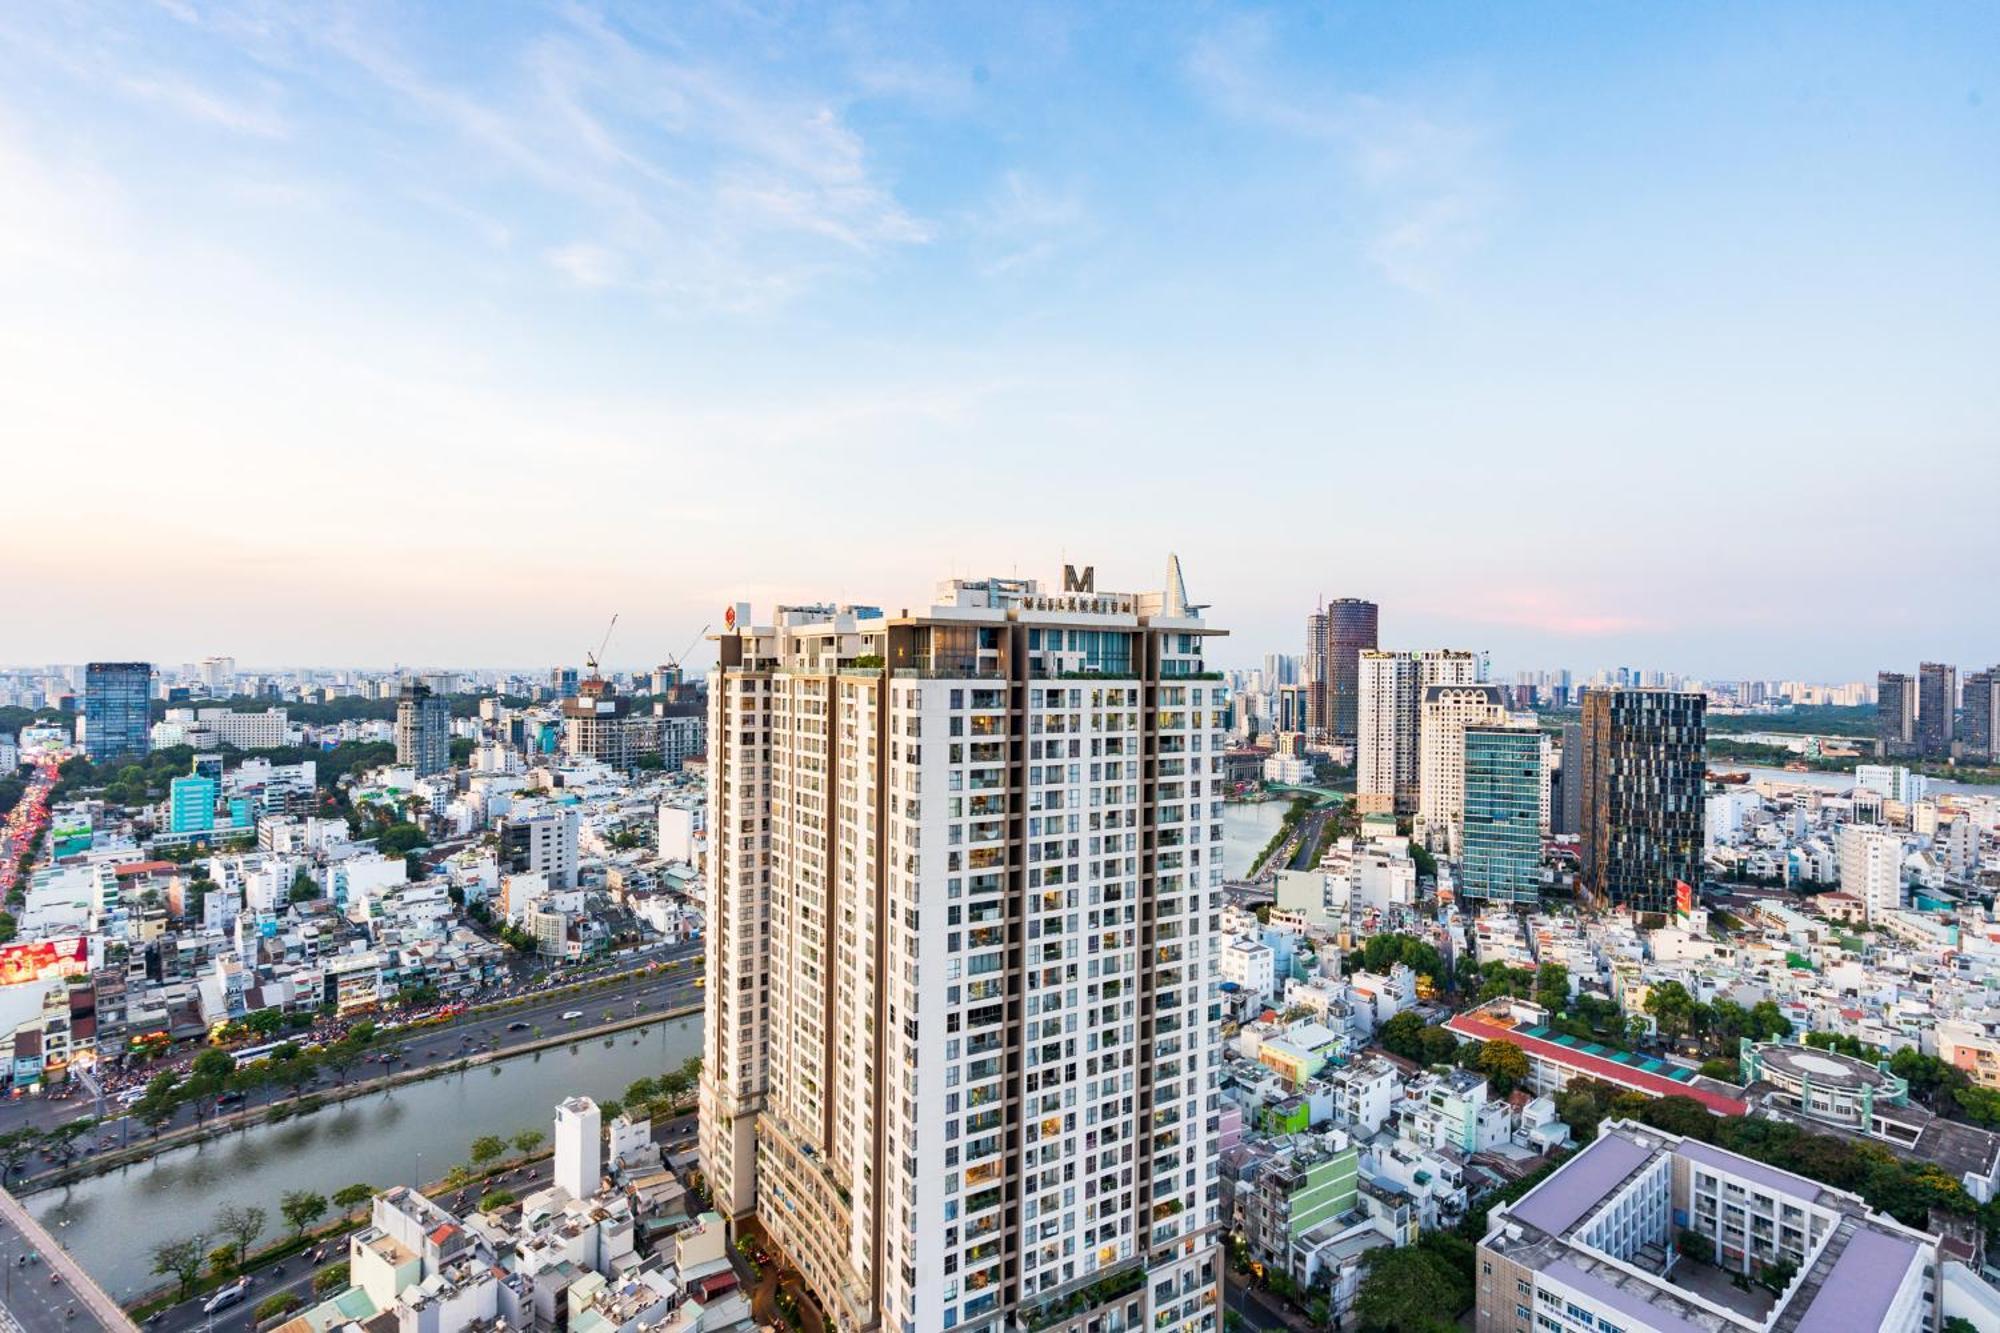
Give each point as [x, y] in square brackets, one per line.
[497, 1032]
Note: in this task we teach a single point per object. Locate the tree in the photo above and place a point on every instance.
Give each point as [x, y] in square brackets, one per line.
[1403, 1035]
[1680, 1115]
[221, 1260]
[527, 1141]
[180, 1259]
[62, 1140]
[272, 1306]
[1671, 1007]
[301, 1208]
[15, 1145]
[641, 1090]
[400, 839]
[1552, 987]
[488, 1148]
[1581, 1113]
[494, 1200]
[241, 1224]
[1406, 1290]
[341, 1057]
[349, 1197]
[1505, 1066]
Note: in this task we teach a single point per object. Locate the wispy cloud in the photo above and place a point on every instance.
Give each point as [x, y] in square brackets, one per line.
[1025, 221]
[203, 104]
[1428, 173]
[677, 177]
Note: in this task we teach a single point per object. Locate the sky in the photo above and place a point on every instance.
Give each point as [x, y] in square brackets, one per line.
[436, 334]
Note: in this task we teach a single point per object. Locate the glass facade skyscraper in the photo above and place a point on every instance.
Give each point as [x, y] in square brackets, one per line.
[1502, 852]
[117, 697]
[1643, 770]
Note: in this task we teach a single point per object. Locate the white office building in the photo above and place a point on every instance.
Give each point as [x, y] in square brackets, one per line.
[579, 1148]
[1871, 867]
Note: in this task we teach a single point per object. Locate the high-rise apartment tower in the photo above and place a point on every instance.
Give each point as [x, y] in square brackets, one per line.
[1937, 708]
[963, 894]
[1895, 713]
[423, 729]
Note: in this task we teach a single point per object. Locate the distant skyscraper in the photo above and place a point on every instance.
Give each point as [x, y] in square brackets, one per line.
[1502, 840]
[1336, 636]
[218, 674]
[1569, 818]
[1388, 721]
[959, 1059]
[117, 710]
[1643, 771]
[423, 730]
[1937, 705]
[563, 682]
[1982, 713]
[1895, 713]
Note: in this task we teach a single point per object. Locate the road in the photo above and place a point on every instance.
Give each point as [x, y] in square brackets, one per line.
[1305, 856]
[421, 1048]
[26, 820]
[44, 1291]
[1258, 1309]
[295, 1275]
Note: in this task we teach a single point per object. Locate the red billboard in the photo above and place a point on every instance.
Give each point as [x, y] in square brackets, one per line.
[39, 960]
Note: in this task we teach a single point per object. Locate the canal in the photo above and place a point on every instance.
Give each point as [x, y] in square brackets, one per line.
[110, 1222]
[1246, 828]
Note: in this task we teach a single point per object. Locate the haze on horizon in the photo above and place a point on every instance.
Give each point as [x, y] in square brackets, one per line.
[1586, 337]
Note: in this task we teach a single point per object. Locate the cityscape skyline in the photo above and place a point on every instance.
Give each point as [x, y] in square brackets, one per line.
[778, 267]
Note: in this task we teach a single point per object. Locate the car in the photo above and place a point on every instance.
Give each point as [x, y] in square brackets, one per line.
[571, 1015]
[227, 1296]
[517, 1026]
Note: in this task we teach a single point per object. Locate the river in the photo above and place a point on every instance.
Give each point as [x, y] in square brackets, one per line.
[1842, 781]
[1246, 828]
[110, 1222]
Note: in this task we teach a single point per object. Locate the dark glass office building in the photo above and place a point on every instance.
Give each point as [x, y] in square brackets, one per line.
[117, 702]
[1643, 772]
[1336, 636]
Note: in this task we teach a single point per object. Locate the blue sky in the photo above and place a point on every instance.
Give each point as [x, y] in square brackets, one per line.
[1585, 335]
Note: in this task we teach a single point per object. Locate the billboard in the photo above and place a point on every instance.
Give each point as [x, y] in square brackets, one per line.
[39, 960]
[1683, 900]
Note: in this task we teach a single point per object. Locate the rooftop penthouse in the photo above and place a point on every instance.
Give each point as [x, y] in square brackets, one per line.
[1645, 1230]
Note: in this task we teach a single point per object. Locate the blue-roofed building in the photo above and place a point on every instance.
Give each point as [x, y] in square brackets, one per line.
[1645, 1230]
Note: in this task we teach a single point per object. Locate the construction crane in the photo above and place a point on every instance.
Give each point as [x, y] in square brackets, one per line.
[590, 659]
[676, 661]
